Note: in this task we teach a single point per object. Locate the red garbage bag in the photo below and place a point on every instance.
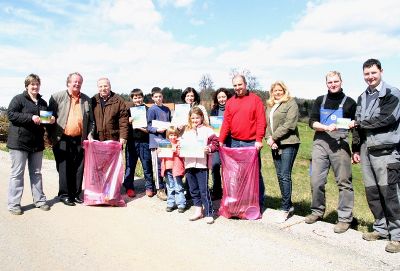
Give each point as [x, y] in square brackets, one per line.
[103, 173]
[240, 177]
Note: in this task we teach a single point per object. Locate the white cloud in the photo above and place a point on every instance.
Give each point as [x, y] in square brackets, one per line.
[138, 13]
[177, 3]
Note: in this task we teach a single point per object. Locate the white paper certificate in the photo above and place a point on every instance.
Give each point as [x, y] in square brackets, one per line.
[165, 148]
[343, 123]
[160, 124]
[181, 114]
[138, 114]
[216, 123]
[191, 147]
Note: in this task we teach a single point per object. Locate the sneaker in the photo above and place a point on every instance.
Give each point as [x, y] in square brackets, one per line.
[44, 207]
[209, 220]
[131, 193]
[149, 193]
[341, 227]
[310, 219]
[161, 195]
[393, 247]
[373, 236]
[181, 210]
[169, 209]
[16, 211]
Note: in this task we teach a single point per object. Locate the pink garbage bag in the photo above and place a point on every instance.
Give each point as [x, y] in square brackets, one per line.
[240, 171]
[103, 173]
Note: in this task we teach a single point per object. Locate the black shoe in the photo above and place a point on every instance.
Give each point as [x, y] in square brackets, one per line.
[181, 210]
[67, 201]
[169, 209]
[78, 200]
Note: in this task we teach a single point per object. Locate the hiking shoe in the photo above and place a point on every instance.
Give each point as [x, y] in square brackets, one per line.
[161, 195]
[169, 209]
[149, 193]
[181, 209]
[16, 211]
[310, 219]
[393, 247]
[131, 193]
[44, 207]
[372, 236]
[341, 227]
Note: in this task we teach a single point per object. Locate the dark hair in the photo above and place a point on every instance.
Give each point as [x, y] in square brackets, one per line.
[136, 92]
[371, 62]
[215, 99]
[72, 74]
[196, 95]
[31, 78]
[155, 90]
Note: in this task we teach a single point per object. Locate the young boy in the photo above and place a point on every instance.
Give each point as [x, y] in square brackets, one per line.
[137, 146]
[159, 112]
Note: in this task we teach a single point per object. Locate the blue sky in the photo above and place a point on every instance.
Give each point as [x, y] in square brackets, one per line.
[172, 43]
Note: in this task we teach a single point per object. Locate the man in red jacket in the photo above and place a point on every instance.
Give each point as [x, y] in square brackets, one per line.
[244, 120]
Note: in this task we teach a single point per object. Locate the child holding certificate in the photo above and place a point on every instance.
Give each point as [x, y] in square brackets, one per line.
[173, 169]
[137, 147]
[197, 167]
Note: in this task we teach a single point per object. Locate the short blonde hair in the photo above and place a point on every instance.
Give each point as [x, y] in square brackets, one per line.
[286, 97]
[172, 130]
[333, 73]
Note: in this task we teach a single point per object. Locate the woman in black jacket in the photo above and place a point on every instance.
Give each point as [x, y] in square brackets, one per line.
[218, 109]
[26, 143]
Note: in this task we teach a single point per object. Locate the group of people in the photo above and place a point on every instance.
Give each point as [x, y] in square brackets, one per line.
[373, 120]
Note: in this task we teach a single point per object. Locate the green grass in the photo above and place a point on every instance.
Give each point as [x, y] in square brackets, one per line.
[301, 195]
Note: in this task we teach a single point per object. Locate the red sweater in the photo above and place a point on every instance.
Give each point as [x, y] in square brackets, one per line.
[244, 118]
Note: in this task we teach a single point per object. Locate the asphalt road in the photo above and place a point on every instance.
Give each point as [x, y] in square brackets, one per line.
[142, 236]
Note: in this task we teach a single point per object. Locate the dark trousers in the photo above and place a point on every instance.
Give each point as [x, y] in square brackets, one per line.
[138, 150]
[68, 153]
[197, 179]
[216, 175]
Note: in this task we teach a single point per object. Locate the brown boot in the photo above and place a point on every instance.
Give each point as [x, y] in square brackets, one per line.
[393, 247]
[161, 194]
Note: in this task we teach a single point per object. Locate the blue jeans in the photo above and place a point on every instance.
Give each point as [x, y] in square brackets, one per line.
[134, 151]
[175, 190]
[216, 175]
[284, 160]
[240, 144]
[197, 179]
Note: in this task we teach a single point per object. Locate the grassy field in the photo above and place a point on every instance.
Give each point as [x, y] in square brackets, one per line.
[301, 184]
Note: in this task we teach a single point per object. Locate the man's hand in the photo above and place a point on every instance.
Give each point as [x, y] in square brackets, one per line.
[332, 127]
[36, 119]
[355, 158]
[352, 124]
[122, 141]
[258, 145]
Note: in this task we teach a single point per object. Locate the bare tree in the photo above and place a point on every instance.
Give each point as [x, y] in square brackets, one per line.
[206, 82]
[252, 81]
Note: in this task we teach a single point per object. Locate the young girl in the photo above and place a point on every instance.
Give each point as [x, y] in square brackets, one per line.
[197, 168]
[173, 168]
